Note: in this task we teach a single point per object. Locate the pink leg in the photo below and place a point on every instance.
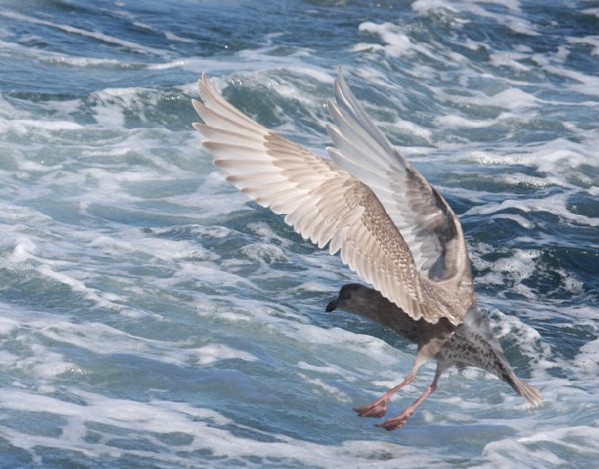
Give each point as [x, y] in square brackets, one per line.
[400, 420]
[379, 407]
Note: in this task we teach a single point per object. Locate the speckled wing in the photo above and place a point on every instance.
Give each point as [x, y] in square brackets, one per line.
[322, 202]
[423, 217]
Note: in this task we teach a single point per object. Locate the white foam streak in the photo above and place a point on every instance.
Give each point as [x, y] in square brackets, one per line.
[88, 34]
[459, 8]
[542, 448]
[396, 42]
[462, 122]
[194, 430]
[587, 359]
[556, 204]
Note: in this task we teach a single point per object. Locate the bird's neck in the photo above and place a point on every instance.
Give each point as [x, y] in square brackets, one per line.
[376, 307]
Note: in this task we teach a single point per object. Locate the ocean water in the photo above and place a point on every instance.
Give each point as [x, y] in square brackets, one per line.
[152, 317]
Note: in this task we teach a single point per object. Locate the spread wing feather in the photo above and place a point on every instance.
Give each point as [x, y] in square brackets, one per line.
[324, 203]
[425, 220]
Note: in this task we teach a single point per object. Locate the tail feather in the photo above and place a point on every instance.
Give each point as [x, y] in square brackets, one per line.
[528, 392]
[477, 329]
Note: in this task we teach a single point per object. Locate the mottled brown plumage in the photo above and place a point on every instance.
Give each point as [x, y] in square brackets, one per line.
[468, 344]
[388, 223]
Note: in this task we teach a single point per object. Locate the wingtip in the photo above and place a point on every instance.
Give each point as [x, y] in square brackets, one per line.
[204, 90]
[205, 86]
[202, 80]
[340, 80]
[197, 105]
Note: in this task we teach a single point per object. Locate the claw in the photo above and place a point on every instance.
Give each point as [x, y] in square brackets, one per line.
[395, 423]
[377, 409]
[400, 420]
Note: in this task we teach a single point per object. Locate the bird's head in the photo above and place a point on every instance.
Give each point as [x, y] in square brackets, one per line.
[353, 298]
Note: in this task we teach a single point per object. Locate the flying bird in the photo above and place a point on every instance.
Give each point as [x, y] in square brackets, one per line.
[389, 224]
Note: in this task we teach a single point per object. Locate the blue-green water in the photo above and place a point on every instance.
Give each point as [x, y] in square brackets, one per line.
[152, 317]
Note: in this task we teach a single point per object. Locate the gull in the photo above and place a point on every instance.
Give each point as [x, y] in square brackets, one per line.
[389, 224]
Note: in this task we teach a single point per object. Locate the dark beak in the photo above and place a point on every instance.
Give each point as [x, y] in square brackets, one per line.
[332, 306]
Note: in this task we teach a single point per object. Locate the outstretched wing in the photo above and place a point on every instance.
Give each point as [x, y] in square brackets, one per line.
[322, 202]
[423, 217]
